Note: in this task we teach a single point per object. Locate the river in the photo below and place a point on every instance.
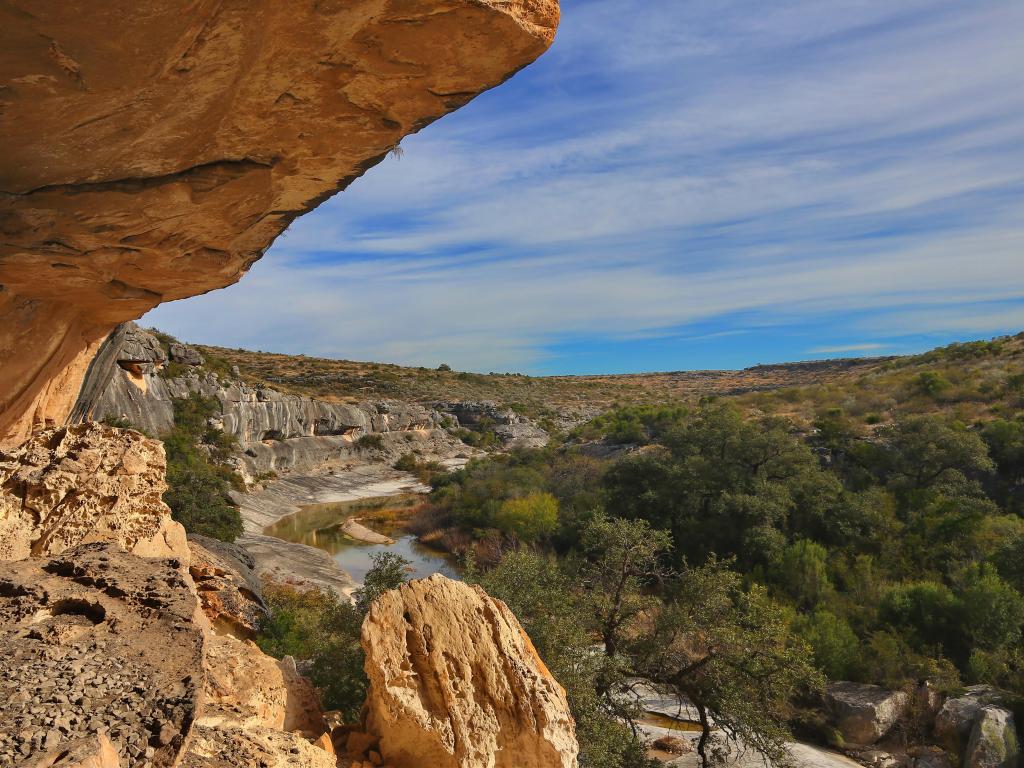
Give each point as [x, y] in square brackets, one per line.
[318, 525]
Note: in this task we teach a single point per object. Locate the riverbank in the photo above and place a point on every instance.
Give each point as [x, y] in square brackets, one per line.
[300, 562]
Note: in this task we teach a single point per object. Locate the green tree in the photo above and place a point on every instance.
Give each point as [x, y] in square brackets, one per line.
[926, 451]
[803, 572]
[731, 654]
[389, 571]
[530, 518]
[622, 558]
[837, 650]
[993, 610]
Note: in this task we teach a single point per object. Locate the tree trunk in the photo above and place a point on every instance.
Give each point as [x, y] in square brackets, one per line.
[705, 734]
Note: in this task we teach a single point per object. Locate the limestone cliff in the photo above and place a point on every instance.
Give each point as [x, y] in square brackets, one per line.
[154, 150]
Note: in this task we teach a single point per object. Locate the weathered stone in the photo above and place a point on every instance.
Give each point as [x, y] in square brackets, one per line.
[228, 587]
[119, 625]
[186, 355]
[86, 483]
[993, 742]
[92, 752]
[456, 683]
[864, 713]
[153, 151]
[956, 718]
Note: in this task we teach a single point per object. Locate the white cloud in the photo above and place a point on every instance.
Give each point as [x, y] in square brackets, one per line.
[670, 167]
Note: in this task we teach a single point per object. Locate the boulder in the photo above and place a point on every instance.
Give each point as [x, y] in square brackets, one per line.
[186, 355]
[82, 484]
[91, 752]
[864, 713]
[993, 742]
[956, 718]
[456, 683]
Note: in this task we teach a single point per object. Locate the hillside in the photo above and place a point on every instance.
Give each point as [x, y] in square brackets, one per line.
[349, 381]
[972, 380]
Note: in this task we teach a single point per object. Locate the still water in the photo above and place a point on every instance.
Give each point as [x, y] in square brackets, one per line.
[318, 525]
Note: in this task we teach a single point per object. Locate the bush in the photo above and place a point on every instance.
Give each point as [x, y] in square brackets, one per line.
[529, 518]
[373, 442]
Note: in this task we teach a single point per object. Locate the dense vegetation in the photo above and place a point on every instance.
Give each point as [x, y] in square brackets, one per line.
[198, 473]
[895, 553]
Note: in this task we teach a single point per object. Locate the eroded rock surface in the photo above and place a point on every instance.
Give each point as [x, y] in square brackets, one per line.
[97, 641]
[86, 483]
[456, 683]
[154, 150]
[229, 590]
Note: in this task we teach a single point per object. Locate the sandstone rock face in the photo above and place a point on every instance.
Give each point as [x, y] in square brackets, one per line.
[456, 683]
[993, 741]
[154, 150]
[246, 688]
[864, 713]
[229, 590]
[956, 718]
[97, 640]
[86, 483]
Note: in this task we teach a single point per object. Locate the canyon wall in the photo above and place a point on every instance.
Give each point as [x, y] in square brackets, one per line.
[154, 150]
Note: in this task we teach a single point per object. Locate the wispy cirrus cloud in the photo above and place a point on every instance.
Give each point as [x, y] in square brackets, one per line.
[765, 179]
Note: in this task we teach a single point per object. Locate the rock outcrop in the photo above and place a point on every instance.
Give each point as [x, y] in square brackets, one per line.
[994, 742]
[978, 726]
[513, 429]
[456, 683]
[153, 151]
[97, 641]
[864, 713]
[86, 483]
[229, 590]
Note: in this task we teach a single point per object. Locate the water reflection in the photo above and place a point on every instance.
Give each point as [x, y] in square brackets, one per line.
[318, 525]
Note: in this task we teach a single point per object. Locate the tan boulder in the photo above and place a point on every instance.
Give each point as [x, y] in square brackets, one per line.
[84, 484]
[229, 590]
[456, 683]
[246, 688]
[254, 746]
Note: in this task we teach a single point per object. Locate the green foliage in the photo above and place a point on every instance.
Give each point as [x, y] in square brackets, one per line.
[622, 558]
[388, 572]
[370, 442]
[837, 649]
[638, 424]
[530, 518]
[732, 653]
[198, 475]
[803, 571]
[316, 626]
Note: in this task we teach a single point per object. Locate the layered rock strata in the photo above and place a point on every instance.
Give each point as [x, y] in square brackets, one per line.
[456, 683]
[154, 150]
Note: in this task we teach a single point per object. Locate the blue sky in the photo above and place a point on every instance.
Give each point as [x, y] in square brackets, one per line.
[677, 184]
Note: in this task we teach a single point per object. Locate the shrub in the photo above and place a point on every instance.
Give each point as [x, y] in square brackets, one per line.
[529, 518]
[372, 442]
